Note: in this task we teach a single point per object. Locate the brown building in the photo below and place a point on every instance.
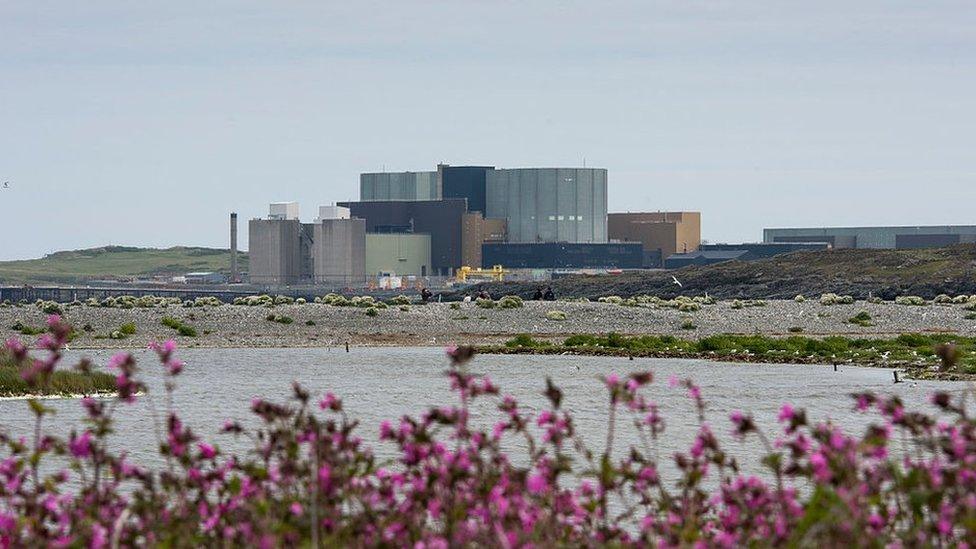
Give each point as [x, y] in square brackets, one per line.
[475, 231]
[666, 233]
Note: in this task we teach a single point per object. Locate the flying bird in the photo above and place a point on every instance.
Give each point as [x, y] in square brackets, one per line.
[6, 184]
[676, 281]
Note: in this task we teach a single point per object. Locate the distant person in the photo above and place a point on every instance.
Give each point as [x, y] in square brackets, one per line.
[425, 294]
[484, 295]
[549, 295]
[467, 298]
[537, 296]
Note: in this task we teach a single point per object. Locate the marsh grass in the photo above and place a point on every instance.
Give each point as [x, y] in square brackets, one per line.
[906, 348]
[60, 383]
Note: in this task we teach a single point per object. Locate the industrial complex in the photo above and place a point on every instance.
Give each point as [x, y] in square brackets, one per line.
[429, 227]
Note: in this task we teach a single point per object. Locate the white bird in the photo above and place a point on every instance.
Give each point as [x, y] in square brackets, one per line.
[676, 281]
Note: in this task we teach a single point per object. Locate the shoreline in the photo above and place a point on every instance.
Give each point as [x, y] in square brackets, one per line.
[912, 371]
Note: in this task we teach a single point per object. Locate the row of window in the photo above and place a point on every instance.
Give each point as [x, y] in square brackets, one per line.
[562, 218]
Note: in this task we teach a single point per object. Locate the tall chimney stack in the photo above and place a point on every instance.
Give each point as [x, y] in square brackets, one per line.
[234, 276]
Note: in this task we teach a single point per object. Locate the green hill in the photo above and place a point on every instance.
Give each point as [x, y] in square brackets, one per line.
[116, 262]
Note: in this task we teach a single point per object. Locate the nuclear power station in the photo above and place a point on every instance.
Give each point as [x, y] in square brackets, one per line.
[431, 224]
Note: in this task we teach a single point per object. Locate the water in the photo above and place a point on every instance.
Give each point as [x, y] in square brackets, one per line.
[385, 383]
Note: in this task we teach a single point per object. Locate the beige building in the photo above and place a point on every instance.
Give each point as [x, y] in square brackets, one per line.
[404, 254]
[669, 232]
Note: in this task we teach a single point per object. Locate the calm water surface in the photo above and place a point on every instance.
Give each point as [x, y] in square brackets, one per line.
[386, 383]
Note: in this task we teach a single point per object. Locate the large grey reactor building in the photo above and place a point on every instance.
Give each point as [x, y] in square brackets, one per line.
[285, 251]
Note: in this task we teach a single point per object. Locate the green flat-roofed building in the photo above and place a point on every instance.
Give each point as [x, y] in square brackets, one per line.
[403, 254]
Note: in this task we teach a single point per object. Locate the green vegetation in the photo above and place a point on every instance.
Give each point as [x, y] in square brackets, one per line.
[61, 382]
[26, 330]
[115, 262]
[970, 316]
[280, 319]
[688, 325]
[510, 302]
[557, 316]
[742, 304]
[906, 349]
[795, 329]
[455, 306]
[861, 319]
[911, 300]
[400, 300]
[525, 340]
[372, 311]
[485, 303]
[182, 328]
[310, 323]
[834, 299]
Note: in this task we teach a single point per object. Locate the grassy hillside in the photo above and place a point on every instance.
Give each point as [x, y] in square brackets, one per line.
[115, 262]
[883, 273]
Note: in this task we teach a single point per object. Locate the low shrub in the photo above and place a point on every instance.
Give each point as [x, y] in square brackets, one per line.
[613, 299]
[910, 300]
[557, 316]
[301, 301]
[485, 303]
[455, 306]
[688, 325]
[942, 299]
[362, 301]
[280, 319]
[24, 329]
[400, 300]
[50, 307]
[834, 299]
[372, 311]
[525, 340]
[795, 329]
[283, 300]
[510, 302]
[404, 308]
[875, 300]
[862, 318]
[128, 328]
[742, 304]
[180, 327]
[310, 323]
[799, 298]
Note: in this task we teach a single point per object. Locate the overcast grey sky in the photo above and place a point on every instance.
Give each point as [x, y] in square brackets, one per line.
[129, 124]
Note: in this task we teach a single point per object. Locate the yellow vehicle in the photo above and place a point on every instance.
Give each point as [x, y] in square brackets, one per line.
[496, 273]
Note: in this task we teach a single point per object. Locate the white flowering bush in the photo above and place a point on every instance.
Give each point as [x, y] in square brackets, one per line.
[799, 298]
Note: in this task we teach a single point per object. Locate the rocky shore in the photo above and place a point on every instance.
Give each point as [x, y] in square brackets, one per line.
[319, 325]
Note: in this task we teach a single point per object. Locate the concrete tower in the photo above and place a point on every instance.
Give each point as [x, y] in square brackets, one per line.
[234, 275]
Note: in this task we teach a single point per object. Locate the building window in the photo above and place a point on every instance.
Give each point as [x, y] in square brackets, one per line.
[552, 218]
[579, 218]
[572, 218]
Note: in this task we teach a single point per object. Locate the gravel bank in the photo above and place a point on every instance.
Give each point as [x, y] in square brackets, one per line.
[437, 323]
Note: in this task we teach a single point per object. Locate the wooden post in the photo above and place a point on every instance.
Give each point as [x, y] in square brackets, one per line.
[347, 346]
[835, 366]
[895, 372]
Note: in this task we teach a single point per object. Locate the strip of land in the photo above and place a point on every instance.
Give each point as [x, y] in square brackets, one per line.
[321, 325]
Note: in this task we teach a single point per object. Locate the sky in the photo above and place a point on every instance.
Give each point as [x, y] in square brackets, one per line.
[146, 124]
